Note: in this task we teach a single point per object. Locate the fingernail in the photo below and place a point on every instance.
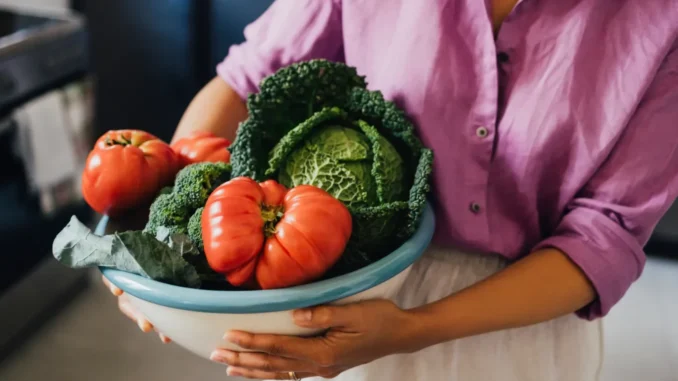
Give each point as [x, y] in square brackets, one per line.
[114, 290]
[302, 315]
[165, 339]
[233, 372]
[224, 355]
[233, 337]
[216, 357]
[144, 326]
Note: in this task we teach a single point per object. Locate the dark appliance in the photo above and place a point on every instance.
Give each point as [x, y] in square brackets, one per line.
[38, 54]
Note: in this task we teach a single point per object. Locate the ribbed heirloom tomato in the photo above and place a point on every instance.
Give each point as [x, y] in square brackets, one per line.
[262, 235]
[126, 169]
[202, 147]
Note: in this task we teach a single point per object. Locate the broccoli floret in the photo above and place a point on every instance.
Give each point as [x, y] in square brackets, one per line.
[195, 228]
[177, 229]
[174, 207]
[167, 211]
[152, 228]
[195, 182]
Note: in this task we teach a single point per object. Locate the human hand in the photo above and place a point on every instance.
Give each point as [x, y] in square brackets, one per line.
[128, 310]
[357, 334]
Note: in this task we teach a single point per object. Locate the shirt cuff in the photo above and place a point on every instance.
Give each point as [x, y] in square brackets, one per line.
[609, 256]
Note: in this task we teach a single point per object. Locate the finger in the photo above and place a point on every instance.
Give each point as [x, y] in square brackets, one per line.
[128, 310]
[111, 287]
[164, 339]
[312, 349]
[325, 317]
[260, 361]
[259, 375]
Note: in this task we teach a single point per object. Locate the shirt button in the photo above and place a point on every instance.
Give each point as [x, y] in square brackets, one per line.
[482, 132]
[475, 207]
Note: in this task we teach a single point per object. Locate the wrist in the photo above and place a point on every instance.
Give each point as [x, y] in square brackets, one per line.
[420, 330]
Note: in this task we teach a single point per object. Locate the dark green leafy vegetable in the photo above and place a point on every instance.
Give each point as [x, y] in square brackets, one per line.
[179, 242]
[194, 256]
[316, 123]
[135, 252]
[193, 185]
[195, 228]
[354, 162]
[167, 210]
[195, 182]
[284, 100]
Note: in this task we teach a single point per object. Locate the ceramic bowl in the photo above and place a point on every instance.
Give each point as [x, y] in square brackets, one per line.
[197, 319]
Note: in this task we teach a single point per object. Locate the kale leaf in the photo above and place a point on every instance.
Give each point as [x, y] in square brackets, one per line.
[133, 251]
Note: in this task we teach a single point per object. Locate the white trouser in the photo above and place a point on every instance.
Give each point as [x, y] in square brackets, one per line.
[564, 349]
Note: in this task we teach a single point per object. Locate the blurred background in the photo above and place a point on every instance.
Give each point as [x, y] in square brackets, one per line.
[73, 69]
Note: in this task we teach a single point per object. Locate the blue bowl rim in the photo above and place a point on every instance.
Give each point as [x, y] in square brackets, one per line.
[262, 301]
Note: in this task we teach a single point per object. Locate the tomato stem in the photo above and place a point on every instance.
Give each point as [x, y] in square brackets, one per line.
[122, 140]
[271, 216]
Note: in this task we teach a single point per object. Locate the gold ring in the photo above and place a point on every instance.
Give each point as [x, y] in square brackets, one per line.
[293, 376]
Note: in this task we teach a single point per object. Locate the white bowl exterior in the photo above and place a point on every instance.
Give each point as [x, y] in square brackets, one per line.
[202, 332]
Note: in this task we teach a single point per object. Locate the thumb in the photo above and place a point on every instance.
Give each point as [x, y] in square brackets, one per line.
[325, 317]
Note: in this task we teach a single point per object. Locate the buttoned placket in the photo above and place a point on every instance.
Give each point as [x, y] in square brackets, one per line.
[482, 135]
[485, 132]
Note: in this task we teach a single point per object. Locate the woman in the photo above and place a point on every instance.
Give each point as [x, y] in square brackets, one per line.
[554, 128]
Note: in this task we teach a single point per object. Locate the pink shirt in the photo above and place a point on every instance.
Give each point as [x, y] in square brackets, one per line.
[562, 132]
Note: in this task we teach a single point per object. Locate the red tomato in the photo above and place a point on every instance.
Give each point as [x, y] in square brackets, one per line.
[126, 169]
[202, 146]
[264, 235]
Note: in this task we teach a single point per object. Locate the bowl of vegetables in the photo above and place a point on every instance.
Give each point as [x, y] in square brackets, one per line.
[197, 319]
[321, 199]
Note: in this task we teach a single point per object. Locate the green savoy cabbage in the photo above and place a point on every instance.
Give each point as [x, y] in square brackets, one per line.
[341, 161]
[316, 123]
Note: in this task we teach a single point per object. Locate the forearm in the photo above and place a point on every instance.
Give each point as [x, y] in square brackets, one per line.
[217, 108]
[539, 287]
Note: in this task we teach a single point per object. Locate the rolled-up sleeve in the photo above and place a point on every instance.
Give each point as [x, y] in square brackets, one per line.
[610, 221]
[288, 31]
